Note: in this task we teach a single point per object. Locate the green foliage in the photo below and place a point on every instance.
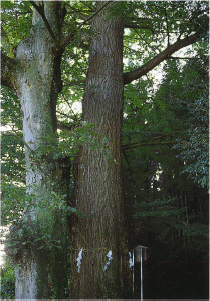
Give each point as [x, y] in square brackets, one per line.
[194, 149]
[43, 229]
[186, 90]
[162, 208]
[13, 201]
[12, 150]
[15, 18]
[7, 280]
[69, 142]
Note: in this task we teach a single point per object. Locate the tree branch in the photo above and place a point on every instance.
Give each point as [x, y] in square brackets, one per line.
[165, 54]
[183, 58]
[18, 137]
[82, 11]
[74, 82]
[70, 37]
[167, 26]
[154, 138]
[8, 72]
[130, 122]
[141, 143]
[147, 144]
[129, 167]
[96, 12]
[70, 107]
[135, 25]
[41, 12]
[63, 127]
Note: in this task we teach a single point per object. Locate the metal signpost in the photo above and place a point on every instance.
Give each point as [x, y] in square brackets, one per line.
[133, 274]
[139, 255]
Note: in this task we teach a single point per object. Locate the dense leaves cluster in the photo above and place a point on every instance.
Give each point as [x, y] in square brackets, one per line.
[7, 281]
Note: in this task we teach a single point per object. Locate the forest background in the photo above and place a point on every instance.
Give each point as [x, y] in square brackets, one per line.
[157, 145]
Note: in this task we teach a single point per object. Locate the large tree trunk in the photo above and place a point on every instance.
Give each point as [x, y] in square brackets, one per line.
[37, 85]
[98, 179]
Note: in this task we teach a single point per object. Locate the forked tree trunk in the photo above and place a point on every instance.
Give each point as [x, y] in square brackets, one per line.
[37, 85]
[98, 178]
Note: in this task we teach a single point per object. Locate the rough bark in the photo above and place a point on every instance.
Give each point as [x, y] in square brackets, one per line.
[98, 180]
[36, 81]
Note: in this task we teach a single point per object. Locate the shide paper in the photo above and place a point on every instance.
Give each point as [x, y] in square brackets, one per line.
[79, 260]
[109, 255]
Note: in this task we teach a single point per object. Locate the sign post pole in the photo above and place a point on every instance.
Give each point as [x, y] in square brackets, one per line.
[141, 274]
[140, 255]
[133, 277]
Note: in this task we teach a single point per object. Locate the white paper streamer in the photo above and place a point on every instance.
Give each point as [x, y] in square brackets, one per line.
[110, 258]
[79, 260]
[130, 260]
